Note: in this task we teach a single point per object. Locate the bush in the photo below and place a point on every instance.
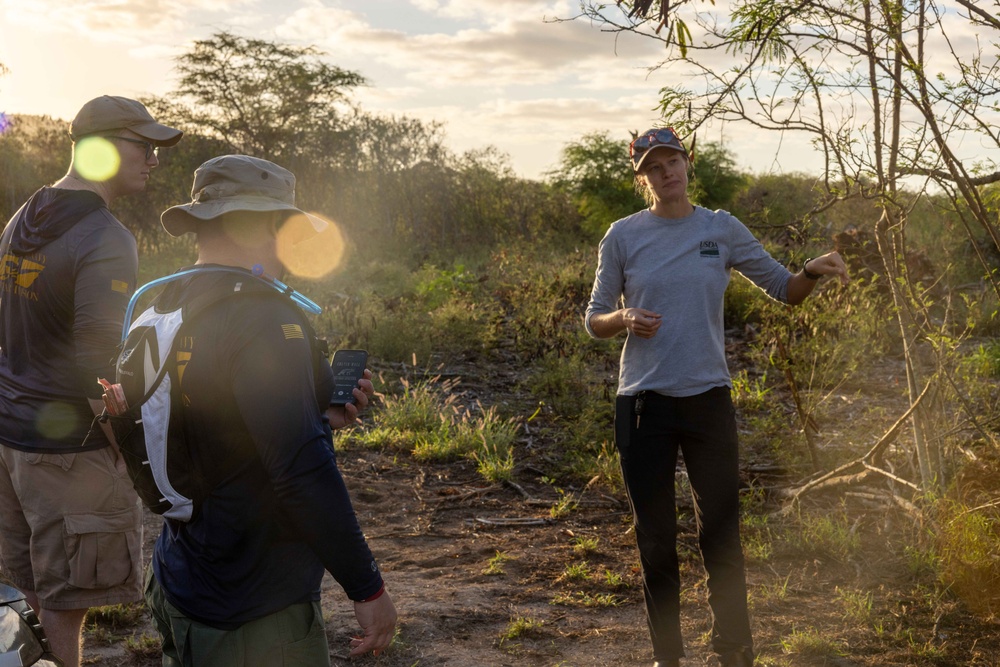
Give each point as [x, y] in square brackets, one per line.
[427, 419]
[967, 534]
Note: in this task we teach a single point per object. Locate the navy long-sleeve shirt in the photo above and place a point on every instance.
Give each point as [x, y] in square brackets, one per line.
[279, 513]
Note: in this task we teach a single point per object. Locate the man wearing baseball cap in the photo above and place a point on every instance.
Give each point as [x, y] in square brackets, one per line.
[70, 523]
[239, 584]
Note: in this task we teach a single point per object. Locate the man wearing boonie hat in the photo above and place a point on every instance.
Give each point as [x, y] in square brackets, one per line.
[239, 584]
[70, 524]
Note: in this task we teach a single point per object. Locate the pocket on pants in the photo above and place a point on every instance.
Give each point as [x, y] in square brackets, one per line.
[313, 649]
[101, 547]
[62, 461]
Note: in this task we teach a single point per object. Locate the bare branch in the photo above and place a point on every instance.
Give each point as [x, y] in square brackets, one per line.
[981, 13]
[941, 175]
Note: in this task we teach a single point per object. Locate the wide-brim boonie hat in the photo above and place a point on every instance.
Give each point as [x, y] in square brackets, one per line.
[235, 183]
[106, 113]
[648, 141]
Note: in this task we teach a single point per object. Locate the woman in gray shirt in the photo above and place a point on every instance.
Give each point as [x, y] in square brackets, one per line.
[668, 267]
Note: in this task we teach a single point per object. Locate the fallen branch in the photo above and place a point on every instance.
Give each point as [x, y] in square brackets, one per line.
[886, 499]
[582, 502]
[513, 521]
[468, 494]
[886, 473]
[517, 487]
[862, 467]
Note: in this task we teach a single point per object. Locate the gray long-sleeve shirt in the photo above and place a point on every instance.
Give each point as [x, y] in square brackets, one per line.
[678, 268]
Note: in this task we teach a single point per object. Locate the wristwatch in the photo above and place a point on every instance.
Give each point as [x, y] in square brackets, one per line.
[809, 274]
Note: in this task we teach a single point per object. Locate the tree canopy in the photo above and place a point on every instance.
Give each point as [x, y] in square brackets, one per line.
[262, 98]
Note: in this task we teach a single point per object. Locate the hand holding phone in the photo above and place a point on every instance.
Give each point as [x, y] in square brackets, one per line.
[348, 367]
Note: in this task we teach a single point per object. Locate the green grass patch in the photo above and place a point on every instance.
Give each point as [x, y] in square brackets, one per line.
[520, 626]
[810, 644]
[494, 566]
[584, 599]
[830, 535]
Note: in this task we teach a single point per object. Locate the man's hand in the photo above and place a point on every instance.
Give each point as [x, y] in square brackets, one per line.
[378, 620]
[342, 415]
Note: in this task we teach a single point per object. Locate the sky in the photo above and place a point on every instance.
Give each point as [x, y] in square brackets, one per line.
[503, 73]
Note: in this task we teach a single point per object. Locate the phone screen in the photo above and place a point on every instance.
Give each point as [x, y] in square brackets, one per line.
[348, 367]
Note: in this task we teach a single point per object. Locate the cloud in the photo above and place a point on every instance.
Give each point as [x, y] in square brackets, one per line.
[534, 131]
[129, 22]
[516, 49]
[486, 10]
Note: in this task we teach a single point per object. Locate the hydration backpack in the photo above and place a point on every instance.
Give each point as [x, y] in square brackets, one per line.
[141, 407]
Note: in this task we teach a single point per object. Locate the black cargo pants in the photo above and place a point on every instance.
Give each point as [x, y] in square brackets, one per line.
[650, 429]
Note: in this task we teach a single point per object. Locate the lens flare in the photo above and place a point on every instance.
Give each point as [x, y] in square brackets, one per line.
[96, 158]
[306, 253]
[5, 122]
[56, 420]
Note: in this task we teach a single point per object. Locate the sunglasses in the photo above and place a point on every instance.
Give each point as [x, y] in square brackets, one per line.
[151, 150]
[666, 136]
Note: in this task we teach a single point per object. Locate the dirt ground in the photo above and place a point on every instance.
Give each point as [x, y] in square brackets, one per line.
[435, 528]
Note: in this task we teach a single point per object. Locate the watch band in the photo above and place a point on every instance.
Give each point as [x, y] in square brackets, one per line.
[809, 274]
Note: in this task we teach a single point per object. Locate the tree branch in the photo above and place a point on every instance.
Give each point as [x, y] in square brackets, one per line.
[860, 468]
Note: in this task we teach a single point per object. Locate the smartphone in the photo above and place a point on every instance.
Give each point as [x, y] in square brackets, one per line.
[348, 367]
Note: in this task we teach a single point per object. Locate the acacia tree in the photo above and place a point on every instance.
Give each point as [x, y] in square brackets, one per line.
[262, 98]
[887, 90]
[595, 171]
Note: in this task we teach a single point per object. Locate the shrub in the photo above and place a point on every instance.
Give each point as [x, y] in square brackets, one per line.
[967, 551]
[828, 535]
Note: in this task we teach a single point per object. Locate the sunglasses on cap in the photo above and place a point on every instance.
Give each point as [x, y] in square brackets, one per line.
[666, 136]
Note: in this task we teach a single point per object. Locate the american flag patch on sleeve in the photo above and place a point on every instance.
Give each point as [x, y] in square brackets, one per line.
[292, 331]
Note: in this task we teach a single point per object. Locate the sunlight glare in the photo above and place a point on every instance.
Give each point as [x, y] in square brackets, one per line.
[56, 420]
[96, 158]
[5, 122]
[306, 253]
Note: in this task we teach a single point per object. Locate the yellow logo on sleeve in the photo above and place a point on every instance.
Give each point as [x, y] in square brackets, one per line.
[183, 355]
[292, 331]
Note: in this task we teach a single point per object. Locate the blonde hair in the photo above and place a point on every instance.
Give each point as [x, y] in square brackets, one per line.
[642, 188]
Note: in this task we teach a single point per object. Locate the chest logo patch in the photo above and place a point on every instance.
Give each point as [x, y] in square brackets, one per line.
[709, 249]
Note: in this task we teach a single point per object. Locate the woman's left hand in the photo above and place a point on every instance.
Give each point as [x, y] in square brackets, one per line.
[342, 415]
[830, 264]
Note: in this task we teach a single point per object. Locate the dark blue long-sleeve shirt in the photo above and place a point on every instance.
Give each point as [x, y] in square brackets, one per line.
[279, 513]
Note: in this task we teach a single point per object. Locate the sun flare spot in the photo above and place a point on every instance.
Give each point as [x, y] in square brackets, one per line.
[306, 253]
[56, 420]
[5, 122]
[96, 158]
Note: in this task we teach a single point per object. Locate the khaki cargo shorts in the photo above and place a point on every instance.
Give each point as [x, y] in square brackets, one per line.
[70, 528]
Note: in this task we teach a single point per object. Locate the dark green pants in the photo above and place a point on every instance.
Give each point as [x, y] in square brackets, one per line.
[292, 637]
